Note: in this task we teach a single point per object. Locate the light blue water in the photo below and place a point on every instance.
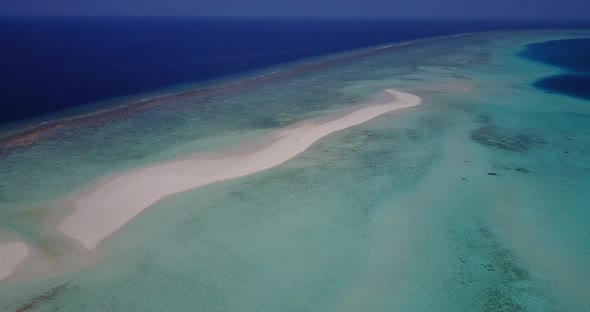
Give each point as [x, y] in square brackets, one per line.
[396, 214]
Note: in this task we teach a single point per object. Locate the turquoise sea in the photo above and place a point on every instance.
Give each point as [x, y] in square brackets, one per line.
[476, 200]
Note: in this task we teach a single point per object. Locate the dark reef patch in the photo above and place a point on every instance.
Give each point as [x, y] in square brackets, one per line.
[502, 296]
[485, 119]
[506, 139]
[509, 168]
[494, 273]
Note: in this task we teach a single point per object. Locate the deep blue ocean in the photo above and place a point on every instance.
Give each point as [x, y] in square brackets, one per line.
[51, 64]
[571, 55]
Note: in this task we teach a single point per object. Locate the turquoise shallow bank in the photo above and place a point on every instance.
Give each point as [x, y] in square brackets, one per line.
[476, 200]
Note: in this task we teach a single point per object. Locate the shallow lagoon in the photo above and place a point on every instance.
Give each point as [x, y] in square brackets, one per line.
[474, 201]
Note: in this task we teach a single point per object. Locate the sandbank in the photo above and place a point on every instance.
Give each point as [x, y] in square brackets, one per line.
[113, 202]
[11, 256]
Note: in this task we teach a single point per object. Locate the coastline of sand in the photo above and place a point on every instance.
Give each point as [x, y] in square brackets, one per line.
[115, 201]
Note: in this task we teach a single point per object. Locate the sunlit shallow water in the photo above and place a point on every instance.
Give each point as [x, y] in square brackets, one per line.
[474, 201]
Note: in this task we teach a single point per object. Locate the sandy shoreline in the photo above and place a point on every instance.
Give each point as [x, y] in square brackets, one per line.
[114, 202]
[11, 256]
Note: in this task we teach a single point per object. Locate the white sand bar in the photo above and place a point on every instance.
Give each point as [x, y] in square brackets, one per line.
[11, 256]
[114, 202]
